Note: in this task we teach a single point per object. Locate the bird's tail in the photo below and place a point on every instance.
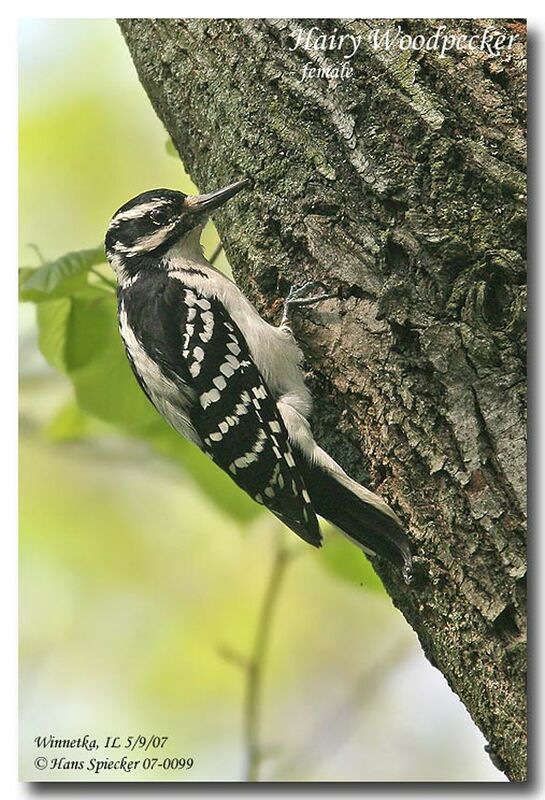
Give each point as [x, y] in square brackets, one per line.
[362, 516]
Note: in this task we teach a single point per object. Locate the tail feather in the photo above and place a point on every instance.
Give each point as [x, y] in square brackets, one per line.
[361, 516]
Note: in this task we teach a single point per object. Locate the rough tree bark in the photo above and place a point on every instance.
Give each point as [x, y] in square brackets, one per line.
[404, 186]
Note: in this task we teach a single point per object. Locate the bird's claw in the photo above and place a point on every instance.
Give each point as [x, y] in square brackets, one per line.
[299, 296]
[297, 293]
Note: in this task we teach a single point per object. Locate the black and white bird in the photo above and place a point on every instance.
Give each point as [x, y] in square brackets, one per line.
[226, 379]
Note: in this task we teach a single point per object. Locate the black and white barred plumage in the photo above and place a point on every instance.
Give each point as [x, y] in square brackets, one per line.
[225, 378]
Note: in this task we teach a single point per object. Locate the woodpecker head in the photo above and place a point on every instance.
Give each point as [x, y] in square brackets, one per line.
[153, 221]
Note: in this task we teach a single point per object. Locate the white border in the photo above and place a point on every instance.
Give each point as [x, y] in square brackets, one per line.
[8, 315]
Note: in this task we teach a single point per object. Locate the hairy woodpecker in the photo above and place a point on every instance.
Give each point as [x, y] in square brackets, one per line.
[225, 378]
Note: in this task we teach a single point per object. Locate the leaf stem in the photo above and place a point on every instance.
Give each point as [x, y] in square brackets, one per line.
[38, 252]
[255, 668]
[103, 278]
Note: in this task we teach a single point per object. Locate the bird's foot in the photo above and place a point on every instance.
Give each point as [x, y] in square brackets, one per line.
[299, 296]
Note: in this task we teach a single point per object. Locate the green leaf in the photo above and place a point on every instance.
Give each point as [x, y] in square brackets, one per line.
[52, 321]
[24, 275]
[346, 561]
[61, 277]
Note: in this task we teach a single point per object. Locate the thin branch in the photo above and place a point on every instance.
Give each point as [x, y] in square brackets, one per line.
[255, 668]
[215, 252]
[335, 727]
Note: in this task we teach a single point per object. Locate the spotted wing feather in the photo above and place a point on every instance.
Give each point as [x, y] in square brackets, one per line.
[237, 418]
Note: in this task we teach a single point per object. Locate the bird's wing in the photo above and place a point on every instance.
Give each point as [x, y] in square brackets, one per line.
[233, 412]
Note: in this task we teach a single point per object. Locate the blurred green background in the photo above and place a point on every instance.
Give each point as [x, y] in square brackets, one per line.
[141, 566]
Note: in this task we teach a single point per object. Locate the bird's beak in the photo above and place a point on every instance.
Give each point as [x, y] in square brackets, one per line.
[199, 203]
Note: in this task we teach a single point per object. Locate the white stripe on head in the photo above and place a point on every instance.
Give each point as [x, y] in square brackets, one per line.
[140, 210]
[146, 243]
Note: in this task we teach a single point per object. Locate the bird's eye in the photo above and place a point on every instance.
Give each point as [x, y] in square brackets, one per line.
[159, 216]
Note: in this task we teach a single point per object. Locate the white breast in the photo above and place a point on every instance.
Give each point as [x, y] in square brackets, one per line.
[171, 400]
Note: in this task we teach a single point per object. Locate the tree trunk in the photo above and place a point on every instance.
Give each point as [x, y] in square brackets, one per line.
[404, 186]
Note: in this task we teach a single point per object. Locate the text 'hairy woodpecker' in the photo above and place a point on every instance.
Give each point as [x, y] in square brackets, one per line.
[226, 379]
